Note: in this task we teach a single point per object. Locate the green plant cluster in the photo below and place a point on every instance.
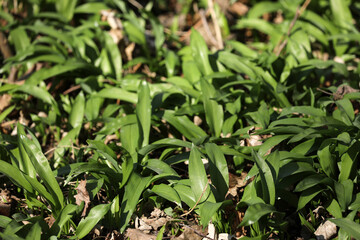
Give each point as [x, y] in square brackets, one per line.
[87, 88]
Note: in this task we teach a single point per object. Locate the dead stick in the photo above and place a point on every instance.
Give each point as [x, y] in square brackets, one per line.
[298, 13]
[196, 231]
[216, 24]
[197, 202]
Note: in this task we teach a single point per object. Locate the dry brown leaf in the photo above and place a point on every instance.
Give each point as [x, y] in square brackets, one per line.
[342, 90]
[4, 101]
[136, 234]
[325, 231]
[239, 8]
[5, 202]
[82, 196]
[236, 182]
[189, 233]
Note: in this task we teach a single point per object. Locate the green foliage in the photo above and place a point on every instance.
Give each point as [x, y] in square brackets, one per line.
[110, 96]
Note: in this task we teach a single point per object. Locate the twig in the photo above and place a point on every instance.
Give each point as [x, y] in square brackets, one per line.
[6, 52]
[328, 93]
[54, 148]
[282, 43]
[197, 202]
[195, 231]
[136, 4]
[216, 25]
[206, 26]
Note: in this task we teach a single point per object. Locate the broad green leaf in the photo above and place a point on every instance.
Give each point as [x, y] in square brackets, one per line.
[114, 55]
[271, 142]
[129, 135]
[68, 66]
[20, 39]
[307, 195]
[327, 162]
[345, 166]
[91, 7]
[199, 52]
[64, 216]
[133, 190]
[184, 125]
[161, 167]
[255, 212]
[207, 211]
[34, 233]
[197, 176]
[6, 112]
[117, 93]
[213, 111]
[186, 194]
[15, 175]
[309, 182]
[267, 179]
[143, 114]
[93, 217]
[304, 110]
[334, 209]
[219, 171]
[348, 226]
[64, 144]
[236, 63]
[66, 8]
[167, 192]
[261, 8]
[341, 13]
[77, 111]
[260, 25]
[344, 193]
[166, 142]
[42, 167]
[345, 105]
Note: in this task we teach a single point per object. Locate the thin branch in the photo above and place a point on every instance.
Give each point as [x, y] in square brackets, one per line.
[196, 231]
[54, 148]
[206, 26]
[216, 25]
[282, 43]
[197, 202]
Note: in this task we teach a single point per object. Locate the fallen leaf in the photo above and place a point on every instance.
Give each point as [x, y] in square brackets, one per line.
[342, 90]
[5, 203]
[4, 101]
[136, 234]
[189, 233]
[325, 231]
[239, 8]
[82, 196]
[236, 182]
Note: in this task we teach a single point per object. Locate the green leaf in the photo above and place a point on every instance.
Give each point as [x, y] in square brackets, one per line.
[199, 52]
[304, 110]
[114, 55]
[207, 211]
[34, 233]
[133, 190]
[219, 171]
[143, 114]
[64, 216]
[117, 93]
[334, 209]
[307, 195]
[77, 111]
[167, 192]
[348, 226]
[15, 175]
[346, 106]
[89, 222]
[91, 7]
[267, 178]
[184, 125]
[213, 111]
[66, 8]
[341, 13]
[255, 212]
[197, 176]
[42, 167]
[166, 142]
[327, 162]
